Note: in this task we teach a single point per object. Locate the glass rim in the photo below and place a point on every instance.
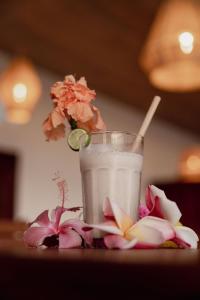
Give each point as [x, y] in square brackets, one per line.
[117, 131]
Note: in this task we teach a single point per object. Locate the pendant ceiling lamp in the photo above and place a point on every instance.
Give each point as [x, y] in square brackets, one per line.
[171, 56]
[20, 89]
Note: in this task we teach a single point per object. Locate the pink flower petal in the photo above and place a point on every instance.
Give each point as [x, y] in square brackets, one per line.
[108, 226]
[151, 230]
[57, 89]
[47, 124]
[68, 238]
[161, 225]
[149, 199]
[123, 220]
[52, 133]
[82, 81]
[78, 226]
[69, 79]
[95, 123]
[118, 242]
[186, 237]
[107, 209]
[42, 219]
[143, 211]
[82, 92]
[34, 236]
[56, 215]
[80, 111]
[153, 204]
[160, 206]
[57, 118]
[98, 123]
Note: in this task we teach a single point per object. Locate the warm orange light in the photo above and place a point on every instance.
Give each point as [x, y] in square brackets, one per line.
[186, 41]
[171, 54]
[190, 165]
[193, 163]
[20, 90]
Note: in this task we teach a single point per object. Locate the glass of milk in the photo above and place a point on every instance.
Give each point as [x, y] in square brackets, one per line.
[110, 167]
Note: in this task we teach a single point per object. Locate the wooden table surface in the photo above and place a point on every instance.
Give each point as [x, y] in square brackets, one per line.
[97, 274]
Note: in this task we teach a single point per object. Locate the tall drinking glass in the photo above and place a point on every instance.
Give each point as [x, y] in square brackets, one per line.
[111, 167]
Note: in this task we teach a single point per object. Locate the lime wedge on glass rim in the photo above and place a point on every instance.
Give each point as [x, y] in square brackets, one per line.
[77, 138]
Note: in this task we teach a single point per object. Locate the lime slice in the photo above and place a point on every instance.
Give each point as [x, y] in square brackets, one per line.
[78, 137]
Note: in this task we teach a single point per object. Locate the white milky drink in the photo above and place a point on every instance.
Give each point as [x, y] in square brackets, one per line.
[110, 171]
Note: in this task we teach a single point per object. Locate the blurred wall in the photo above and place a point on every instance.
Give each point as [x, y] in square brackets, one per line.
[39, 160]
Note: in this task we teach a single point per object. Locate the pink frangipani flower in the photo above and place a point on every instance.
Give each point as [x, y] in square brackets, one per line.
[68, 234]
[125, 233]
[158, 205]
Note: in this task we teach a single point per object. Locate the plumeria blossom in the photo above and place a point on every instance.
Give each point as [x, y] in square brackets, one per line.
[158, 205]
[72, 102]
[124, 233]
[68, 234]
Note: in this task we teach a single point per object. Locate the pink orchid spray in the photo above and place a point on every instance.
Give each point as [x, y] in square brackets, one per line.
[72, 101]
[49, 231]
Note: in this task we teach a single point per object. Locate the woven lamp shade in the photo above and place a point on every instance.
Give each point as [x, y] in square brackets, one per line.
[20, 89]
[171, 56]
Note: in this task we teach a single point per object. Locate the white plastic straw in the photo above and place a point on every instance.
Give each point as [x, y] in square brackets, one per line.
[146, 122]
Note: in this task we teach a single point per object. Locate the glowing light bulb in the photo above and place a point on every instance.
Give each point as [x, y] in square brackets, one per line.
[186, 41]
[19, 92]
[193, 162]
